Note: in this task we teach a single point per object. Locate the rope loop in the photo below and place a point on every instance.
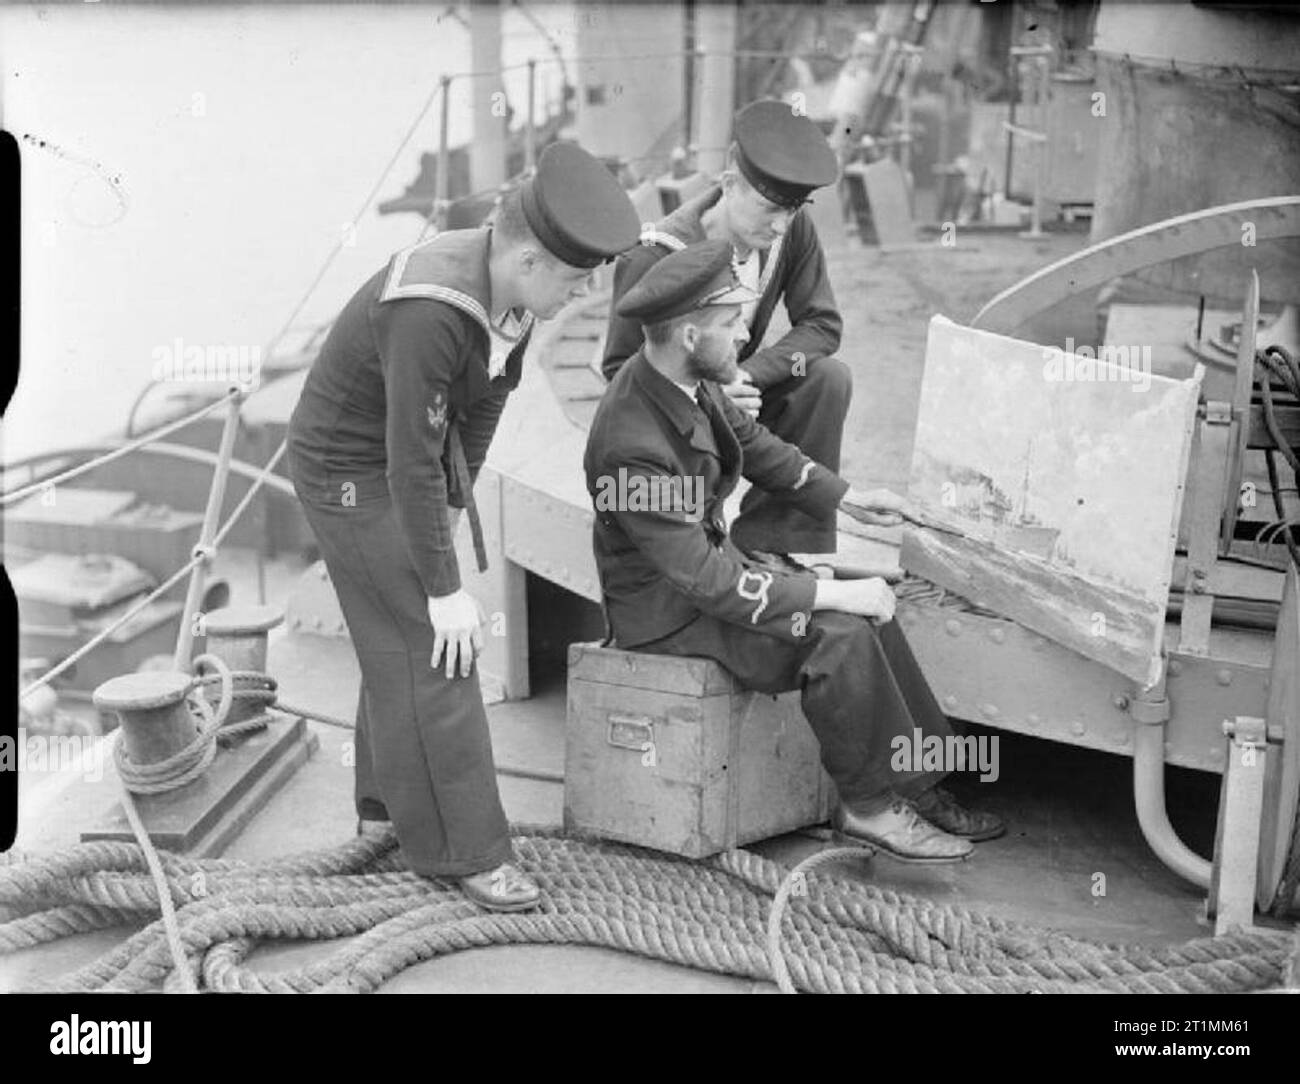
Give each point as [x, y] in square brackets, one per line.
[226, 678]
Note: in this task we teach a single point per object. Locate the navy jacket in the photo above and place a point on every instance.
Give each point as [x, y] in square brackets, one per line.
[793, 269]
[660, 568]
[403, 401]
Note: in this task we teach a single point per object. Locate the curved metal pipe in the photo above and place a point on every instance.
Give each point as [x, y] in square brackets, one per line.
[177, 451]
[1149, 797]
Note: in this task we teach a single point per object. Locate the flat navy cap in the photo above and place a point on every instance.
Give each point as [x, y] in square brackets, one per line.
[691, 279]
[577, 209]
[783, 154]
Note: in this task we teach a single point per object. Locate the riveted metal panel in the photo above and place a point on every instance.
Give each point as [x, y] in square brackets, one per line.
[550, 537]
[992, 671]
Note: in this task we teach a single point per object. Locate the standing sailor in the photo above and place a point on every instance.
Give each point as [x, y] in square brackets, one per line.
[393, 424]
[794, 386]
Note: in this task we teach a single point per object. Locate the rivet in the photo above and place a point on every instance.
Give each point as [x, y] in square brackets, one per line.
[1077, 729]
[989, 710]
[998, 635]
[953, 627]
[1033, 721]
[318, 622]
[1174, 668]
[950, 702]
[1121, 702]
[1223, 677]
[340, 626]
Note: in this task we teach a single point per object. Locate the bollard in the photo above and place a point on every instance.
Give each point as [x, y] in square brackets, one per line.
[237, 635]
[156, 722]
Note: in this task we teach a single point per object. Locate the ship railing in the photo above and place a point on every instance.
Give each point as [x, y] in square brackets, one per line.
[441, 199]
[211, 535]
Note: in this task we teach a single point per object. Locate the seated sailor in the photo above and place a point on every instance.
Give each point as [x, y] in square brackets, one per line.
[675, 583]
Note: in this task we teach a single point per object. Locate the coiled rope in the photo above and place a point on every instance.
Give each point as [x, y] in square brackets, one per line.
[832, 934]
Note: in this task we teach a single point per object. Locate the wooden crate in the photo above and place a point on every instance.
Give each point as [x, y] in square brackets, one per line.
[670, 753]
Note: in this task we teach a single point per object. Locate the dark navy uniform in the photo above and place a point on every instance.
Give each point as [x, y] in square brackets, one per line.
[393, 424]
[805, 402]
[675, 583]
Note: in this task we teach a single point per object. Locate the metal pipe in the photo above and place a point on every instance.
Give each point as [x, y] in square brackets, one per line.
[216, 494]
[443, 174]
[176, 451]
[530, 132]
[1153, 818]
[1013, 77]
[119, 451]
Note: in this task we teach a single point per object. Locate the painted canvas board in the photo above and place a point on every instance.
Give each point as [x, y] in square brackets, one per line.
[1060, 480]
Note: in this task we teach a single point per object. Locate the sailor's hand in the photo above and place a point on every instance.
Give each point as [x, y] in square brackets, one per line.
[871, 598]
[457, 629]
[876, 506]
[742, 392]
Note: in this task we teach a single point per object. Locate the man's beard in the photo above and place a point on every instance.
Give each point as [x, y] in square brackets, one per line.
[714, 358]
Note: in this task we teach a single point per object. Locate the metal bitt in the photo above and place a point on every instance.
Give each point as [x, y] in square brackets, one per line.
[1150, 710]
[237, 635]
[156, 722]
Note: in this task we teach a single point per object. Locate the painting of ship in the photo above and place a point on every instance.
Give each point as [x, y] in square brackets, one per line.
[1022, 531]
[996, 518]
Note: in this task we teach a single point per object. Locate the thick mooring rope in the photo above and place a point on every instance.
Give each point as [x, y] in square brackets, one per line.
[835, 935]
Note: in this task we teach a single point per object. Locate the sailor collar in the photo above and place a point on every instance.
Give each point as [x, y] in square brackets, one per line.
[453, 268]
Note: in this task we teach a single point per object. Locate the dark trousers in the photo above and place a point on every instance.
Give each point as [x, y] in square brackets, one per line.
[861, 687]
[423, 750]
[807, 411]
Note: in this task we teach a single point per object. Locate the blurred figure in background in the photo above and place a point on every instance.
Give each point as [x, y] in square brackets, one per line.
[854, 88]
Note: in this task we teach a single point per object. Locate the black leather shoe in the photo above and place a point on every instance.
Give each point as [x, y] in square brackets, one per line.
[900, 831]
[940, 808]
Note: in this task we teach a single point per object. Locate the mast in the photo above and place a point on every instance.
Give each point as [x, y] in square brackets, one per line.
[487, 149]
[715, 84]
